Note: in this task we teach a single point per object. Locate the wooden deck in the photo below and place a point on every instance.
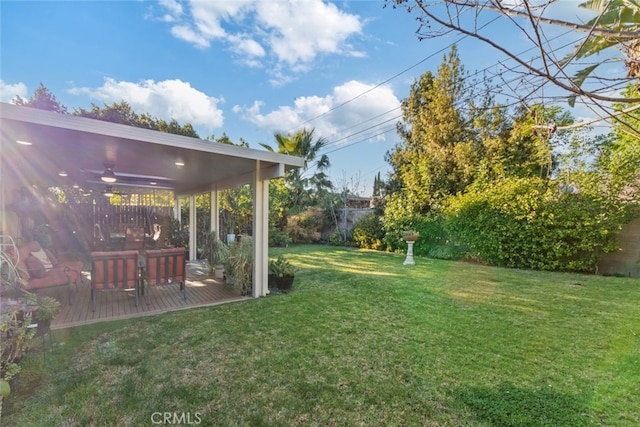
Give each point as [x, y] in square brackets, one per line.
[202, 290]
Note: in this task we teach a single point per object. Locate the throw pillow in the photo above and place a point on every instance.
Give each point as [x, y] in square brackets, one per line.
[52, 257]
[35, 267]
[44, 259]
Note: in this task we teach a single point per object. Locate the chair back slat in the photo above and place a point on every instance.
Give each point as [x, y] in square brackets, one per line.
[114, 270]
[165, 266]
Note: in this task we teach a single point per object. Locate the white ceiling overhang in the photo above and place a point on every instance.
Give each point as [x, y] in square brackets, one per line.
[81, 147]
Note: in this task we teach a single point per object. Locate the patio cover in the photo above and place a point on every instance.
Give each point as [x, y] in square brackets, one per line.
[142, 158]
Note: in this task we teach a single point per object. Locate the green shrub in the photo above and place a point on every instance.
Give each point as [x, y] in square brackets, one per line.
[335, 238]
[368, 232]
[278, 238]
[529, 223]
[435, 240]
[239, 265]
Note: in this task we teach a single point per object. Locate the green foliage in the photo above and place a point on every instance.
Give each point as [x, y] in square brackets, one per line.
[438, 155]
[239, 265]
[48, 307]
[304, 190]
[336, 238]
[620, 155]
[278, 208]
[214, 249]
[42, 99]
[122, 113]
[236, 205]
[620, 15]
[368, 232]
[529, 223]
[281, 267]
[278, 238]
[435, 241]
[178, 236]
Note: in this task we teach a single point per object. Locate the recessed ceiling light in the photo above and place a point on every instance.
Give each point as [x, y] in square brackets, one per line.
[23, 142]
[153, 183]
[179, 163]
[62, 173]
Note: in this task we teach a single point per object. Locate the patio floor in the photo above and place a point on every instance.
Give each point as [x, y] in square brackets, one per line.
[202, 290]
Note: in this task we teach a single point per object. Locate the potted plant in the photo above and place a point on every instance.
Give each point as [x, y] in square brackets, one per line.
[15, 327]
[282, 273]
[178, 236]
[216, 252]
[410, 235]
[47, 308]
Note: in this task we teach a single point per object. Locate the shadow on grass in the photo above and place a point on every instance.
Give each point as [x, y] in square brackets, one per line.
[509, 405]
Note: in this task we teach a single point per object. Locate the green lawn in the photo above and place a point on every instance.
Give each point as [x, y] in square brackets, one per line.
[362, 340]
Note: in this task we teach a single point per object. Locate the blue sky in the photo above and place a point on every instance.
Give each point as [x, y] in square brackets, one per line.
[246, 68]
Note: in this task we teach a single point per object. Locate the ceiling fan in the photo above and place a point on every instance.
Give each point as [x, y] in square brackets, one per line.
[108, 175]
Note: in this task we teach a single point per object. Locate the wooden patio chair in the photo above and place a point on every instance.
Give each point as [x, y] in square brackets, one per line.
[113, 271]
[165, 267]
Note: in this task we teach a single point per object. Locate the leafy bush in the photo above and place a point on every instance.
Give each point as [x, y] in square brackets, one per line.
[278, 238]
[239, 265]
[435, 240]
[305, 227]
[368, 232]
[335, 238]
[529, 223]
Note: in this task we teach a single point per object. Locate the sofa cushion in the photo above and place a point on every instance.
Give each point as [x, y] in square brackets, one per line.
[57, 276]
[41, 255]
[35, 267]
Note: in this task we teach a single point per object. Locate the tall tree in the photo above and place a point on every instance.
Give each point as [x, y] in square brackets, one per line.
[438, 154]
[529, 71]
[42, 99]
[620, 157]
[122, 113]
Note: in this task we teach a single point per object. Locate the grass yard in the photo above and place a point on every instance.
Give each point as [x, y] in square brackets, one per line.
[362, 340]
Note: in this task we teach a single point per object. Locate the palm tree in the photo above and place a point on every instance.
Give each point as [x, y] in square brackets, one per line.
[304, 189]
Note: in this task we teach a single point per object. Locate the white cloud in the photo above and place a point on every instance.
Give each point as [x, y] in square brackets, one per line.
[361, 111]
[286, 33]
[244, 43]
[299, 31]
[173, 7]
[168, 99]
[9, 91]
[188, 34]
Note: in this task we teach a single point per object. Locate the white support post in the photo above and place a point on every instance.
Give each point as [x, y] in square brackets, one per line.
[176, 210]
[260, 234]
[215, 213]
[193, 228]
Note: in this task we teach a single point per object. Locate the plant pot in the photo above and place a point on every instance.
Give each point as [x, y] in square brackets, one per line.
[284, 283]
[218, 272]
[271, 280]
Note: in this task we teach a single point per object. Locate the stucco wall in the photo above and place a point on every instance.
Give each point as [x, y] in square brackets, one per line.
[624, 262]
